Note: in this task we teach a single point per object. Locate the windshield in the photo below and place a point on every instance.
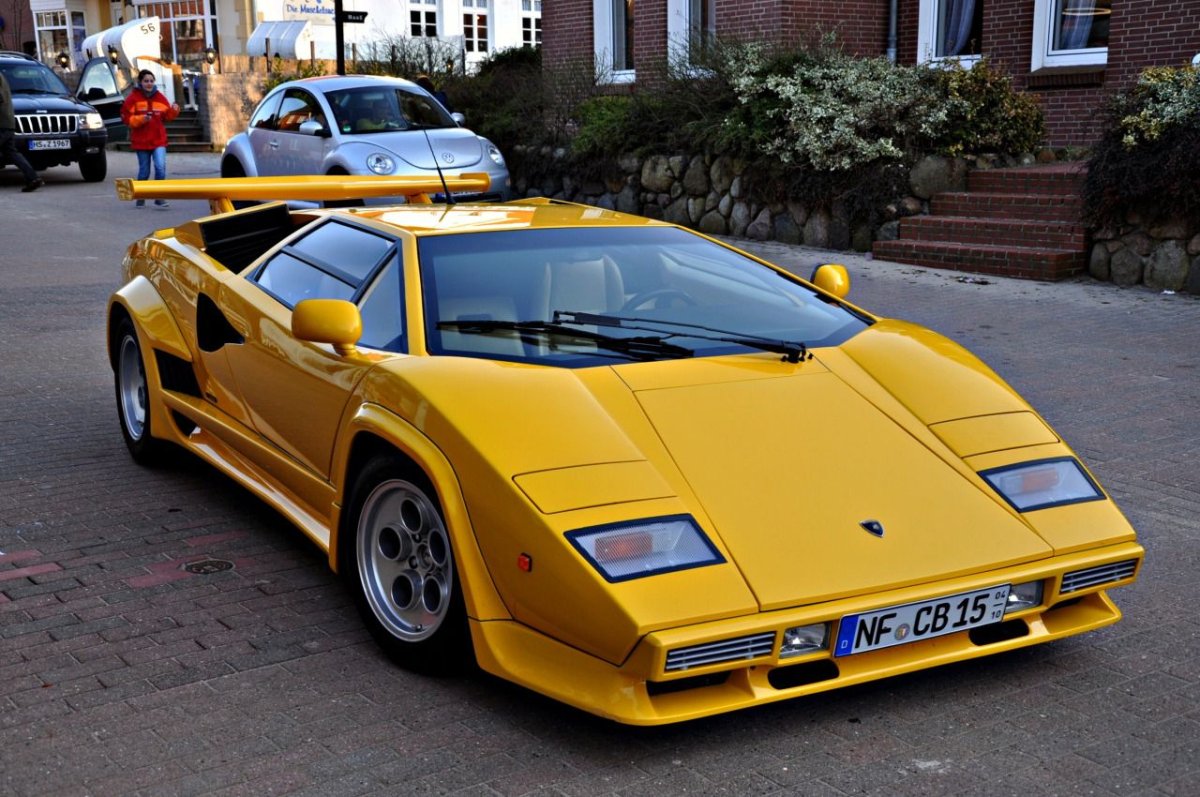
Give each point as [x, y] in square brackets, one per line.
[567, 288]
[31, 77]
[381, 109]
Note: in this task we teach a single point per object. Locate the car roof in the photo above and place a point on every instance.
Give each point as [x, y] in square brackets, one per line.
[335, 82]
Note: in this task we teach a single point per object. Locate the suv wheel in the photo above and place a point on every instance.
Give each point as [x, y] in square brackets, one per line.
[93, 168]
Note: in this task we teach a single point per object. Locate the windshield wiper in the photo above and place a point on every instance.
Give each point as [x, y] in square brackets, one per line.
[792, 351]
[641, 348]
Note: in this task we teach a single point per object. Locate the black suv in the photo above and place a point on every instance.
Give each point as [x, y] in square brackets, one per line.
[53, 127]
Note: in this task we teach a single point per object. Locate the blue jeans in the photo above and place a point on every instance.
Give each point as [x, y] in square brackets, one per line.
[145, 157]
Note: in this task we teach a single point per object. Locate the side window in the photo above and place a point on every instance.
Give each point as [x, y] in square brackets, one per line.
[298, 107]
[382, 311]
[334, 261]
[264, 115]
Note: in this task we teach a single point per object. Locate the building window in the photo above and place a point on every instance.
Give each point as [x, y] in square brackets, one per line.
[1070, 33]
[612, 30]
[531, 23]
[950, 30]
[691, 26]
[475, 27]
[187, 28]
[60, 32]
[423, 21]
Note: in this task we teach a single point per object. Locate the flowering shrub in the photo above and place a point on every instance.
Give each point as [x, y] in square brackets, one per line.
[1148, 156]
[984, 113]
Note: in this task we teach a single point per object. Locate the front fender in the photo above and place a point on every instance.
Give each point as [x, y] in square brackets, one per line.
[479, 593]
[239, 149]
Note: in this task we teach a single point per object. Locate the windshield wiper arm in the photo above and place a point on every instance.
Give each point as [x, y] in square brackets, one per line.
[641, 347]
[792, 351]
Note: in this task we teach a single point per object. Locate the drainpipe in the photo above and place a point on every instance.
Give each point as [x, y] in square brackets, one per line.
[893, 13]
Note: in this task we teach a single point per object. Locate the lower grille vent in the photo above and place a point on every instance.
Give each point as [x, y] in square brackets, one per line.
[740, 649]
[1093, 576]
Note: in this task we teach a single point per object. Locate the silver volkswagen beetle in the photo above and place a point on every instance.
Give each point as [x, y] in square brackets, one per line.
[360, 124]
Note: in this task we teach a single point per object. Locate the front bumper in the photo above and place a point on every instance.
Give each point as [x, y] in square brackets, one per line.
[643, 692]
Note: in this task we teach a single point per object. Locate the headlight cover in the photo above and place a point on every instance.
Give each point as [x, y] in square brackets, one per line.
[1042, 484]
[494, 152]
[380, 163]
[91, 121]
[638, 548]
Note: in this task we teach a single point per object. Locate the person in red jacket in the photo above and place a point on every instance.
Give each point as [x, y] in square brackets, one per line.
[147, 112]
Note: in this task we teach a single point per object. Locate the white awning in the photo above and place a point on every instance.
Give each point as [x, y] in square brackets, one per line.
[288, 38]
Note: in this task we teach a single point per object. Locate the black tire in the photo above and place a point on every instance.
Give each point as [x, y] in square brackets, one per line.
[93, 168]
[399, 564]
[232, 167]
[341, 203]
[133, 396]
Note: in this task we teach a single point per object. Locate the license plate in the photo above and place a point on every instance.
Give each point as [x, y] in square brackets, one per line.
[50, 143]
[899, 625]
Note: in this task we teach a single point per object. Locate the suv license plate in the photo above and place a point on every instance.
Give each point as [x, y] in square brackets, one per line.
[898, 625]
[50, 143]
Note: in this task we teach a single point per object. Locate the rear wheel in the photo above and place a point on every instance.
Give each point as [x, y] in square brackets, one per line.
[93, 168]
[232, 167]
[404, 577]
[341, 203]
[133, 397]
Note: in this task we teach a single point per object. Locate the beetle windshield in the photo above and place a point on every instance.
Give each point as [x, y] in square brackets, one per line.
[662, 281]
[382, 109]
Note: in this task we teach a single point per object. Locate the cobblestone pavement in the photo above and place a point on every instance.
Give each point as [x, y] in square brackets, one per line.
[120, 673]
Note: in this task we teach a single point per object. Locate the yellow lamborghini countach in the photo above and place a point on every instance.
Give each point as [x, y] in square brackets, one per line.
[605, 457]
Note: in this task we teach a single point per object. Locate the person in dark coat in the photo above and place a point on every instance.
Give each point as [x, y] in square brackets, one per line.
[8, 142]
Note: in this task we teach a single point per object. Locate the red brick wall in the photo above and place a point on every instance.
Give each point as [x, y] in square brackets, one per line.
[1143, 33]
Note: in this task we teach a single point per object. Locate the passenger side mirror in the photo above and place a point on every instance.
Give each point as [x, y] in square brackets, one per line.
[313, 128]
[332, 321]
[832, 278]
[459, 119]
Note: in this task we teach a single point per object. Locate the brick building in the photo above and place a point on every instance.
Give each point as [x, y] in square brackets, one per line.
[1072, 53]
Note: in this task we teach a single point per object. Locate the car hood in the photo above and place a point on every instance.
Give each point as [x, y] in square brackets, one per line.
[48, 103]
[455, 147]
[789, 469]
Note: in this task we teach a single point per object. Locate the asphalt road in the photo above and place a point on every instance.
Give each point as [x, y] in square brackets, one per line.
[120, 673]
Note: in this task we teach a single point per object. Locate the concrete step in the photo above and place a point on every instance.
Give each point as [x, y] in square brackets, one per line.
[1035, 207]
[1010, 261]
[983, 230]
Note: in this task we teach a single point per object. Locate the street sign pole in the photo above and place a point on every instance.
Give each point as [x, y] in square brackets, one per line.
[339, 39]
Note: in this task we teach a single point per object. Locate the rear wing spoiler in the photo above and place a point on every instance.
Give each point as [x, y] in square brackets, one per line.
[222, 192]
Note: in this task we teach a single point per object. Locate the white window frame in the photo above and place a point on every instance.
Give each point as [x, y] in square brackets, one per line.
[927, 26]
[479, 46]
[602, 34]
[1044, 16]
[531, 15]
[425, 7]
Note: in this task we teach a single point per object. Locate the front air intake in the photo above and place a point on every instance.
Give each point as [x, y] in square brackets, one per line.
[1094, 576]
[740, 649]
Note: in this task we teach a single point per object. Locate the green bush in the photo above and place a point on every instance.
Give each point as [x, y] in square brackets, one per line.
[1148, 156]
[984, 113]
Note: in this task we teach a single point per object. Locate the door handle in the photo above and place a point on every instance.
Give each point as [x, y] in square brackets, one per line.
[273, 144]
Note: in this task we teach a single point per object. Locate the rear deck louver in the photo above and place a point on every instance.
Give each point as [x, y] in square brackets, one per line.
[1094, 576]
[746, 647]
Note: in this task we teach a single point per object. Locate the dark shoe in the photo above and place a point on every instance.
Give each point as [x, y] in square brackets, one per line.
[33, 185]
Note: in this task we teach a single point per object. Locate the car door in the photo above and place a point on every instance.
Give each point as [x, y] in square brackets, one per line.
[295, 391]
[104, 87]
[286, 150]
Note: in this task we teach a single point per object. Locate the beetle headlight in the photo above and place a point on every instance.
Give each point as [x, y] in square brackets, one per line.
[1046, 483]
[380, 163]
[494, 153]
[91, 121]
[622, 551]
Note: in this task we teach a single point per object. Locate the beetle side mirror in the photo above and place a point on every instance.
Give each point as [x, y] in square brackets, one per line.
[832, 278]
[332, 321]
[459, 119]
[313, 128]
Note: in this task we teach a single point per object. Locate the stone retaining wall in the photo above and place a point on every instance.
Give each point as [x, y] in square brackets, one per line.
[1163, 256]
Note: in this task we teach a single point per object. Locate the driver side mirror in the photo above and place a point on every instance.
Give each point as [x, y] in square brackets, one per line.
[313, 128]
[832, 278]
[332, 321]
[459, 119]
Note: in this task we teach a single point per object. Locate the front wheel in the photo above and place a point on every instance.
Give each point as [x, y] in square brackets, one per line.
[404, 577]
[133, 396]
[93, 168]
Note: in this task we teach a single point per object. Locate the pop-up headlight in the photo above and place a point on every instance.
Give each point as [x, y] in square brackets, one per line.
[1042, 484]
[622, 551]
